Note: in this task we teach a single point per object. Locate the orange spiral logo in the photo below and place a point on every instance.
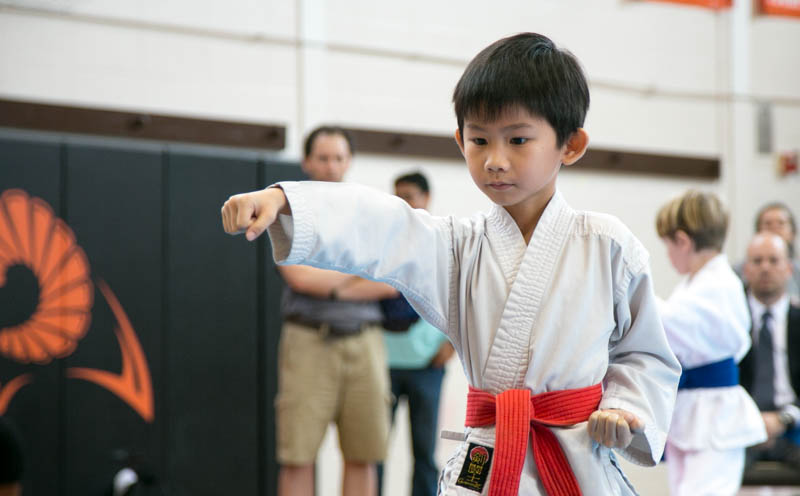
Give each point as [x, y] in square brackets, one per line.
[32, 236]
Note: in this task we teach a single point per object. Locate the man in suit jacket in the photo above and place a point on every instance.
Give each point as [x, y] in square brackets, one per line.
[771, 370]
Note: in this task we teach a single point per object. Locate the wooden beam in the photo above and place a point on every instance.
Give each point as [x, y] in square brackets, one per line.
[81, 120]
[647, 163]
[398, 143]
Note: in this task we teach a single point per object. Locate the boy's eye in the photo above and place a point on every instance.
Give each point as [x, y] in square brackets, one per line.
[479, 141]
[518, 141]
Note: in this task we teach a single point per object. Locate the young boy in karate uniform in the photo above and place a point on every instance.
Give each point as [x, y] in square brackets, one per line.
[708, 327]
[550, 310]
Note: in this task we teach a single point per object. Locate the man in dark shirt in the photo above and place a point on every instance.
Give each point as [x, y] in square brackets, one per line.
[332, 361]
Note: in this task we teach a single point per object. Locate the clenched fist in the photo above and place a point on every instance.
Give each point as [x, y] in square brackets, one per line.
[614, 428]
[253, 212]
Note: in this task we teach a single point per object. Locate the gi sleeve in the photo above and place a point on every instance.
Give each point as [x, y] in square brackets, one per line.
[643, 373]
[358, 230]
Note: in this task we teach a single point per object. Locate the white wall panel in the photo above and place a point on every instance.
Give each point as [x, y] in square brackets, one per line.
[759, 182]
[616, 41]
[673, 126]
[385, 93]
[48, 59]
[648, 45]
[270, 17]
[776, 57]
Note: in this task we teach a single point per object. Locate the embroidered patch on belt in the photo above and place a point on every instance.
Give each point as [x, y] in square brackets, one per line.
[476, 467]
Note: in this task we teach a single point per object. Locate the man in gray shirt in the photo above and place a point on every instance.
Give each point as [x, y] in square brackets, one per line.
[331, 360]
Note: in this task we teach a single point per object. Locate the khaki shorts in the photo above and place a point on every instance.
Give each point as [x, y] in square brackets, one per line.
[335, 379]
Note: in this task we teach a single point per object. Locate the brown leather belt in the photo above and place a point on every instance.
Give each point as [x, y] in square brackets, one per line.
[324, 328]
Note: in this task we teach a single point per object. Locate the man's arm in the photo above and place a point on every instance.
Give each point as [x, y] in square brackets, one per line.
[360, 231]
[358, 289]
[321, 283]
[311, 281]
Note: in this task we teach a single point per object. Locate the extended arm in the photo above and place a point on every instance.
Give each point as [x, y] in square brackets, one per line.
[357, 230]
[251, 213]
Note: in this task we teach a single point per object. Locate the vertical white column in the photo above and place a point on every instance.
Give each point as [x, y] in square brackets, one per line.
[743, 129]
[312, 67]
[737, 124]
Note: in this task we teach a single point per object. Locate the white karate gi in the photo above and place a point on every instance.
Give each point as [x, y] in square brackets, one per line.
[707, 320]
[573, 308]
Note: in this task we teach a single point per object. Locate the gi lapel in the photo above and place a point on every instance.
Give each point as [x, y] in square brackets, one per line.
[508, 359]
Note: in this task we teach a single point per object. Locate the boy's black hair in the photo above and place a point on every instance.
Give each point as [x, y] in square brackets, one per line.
[416, 178]
[528, 70]
[309, 143]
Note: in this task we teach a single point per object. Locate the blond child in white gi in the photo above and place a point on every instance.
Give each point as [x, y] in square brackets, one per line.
[551, 310]
[708, 327]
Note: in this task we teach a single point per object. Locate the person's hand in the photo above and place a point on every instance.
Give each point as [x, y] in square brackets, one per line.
[443, 355]
[773, 424]
[253, 212]
[614, 428]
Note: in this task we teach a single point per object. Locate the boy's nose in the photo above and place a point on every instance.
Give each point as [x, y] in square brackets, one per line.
[496, 162]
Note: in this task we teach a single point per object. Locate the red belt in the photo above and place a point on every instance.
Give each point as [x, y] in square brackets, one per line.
[516, 412]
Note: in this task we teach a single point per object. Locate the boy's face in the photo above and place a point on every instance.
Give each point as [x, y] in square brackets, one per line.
[514, 160]
[329, 158]
[679, 250]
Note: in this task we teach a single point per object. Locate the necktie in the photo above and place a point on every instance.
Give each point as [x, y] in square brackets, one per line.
[764, 384]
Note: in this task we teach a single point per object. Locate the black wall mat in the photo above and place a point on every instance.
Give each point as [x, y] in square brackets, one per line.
[213, 332]
[174, 370]
[34, 167]
[114, 205]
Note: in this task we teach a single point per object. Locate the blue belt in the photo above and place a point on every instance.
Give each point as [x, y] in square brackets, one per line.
[718, 374]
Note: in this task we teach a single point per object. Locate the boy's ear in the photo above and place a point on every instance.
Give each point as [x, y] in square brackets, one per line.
[460, 141]
[683, 240]
[575, 147]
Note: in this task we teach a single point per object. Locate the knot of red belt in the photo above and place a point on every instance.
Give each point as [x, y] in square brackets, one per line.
[516, 412]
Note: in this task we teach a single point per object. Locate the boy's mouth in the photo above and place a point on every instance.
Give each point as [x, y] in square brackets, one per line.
[499, 186]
